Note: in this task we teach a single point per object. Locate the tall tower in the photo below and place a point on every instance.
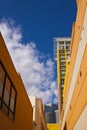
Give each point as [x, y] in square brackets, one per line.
[61, 54]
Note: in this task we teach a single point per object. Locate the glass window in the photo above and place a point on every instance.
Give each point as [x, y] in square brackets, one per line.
[61, 52]
[67, 47]
[7, 91]
[61, 42]
[61, 47]
[7, 94]
[2, 76]
[5, 108]
[68, 42]
[12, 100]
[11, 115]
[62, 80]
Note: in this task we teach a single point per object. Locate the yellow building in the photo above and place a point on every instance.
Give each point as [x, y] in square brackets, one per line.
[62, 54]
[53, 127]
[75, 98]
[15, 107]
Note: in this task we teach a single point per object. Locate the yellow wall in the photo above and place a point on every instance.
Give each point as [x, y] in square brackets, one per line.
[53, 126]
[23, 113]
[66, 76]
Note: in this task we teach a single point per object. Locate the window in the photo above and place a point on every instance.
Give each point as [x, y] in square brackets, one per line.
[61, 47]
[5, 108]
[12, 100]
[67, 47]
[61, 52]
[61, 42]
[68, 43]
[62, 80]
[7, 91]
[2, 76]
[7, 94]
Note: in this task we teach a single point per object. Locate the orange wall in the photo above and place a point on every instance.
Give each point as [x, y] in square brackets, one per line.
[23, 114]
[79, 99]
[75, 40]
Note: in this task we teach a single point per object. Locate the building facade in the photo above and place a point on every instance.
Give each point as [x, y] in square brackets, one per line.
[39, 121]
[62, 54]
[15, 107]
[74, 109]
[51, 113]
[40, 116]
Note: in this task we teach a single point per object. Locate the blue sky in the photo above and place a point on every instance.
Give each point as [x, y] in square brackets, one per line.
[41, 20]
[36, 23]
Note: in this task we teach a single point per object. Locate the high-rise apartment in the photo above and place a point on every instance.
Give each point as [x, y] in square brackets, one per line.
[61, 55]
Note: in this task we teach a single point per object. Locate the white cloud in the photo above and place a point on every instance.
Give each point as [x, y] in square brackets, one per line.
[36, 69]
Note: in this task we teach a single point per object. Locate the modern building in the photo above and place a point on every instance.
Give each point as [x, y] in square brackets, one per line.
[15, 108]
[39, 121]
[50, 107]
[61, 55]
[52, 117]
[74, 111]
[51, 113]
